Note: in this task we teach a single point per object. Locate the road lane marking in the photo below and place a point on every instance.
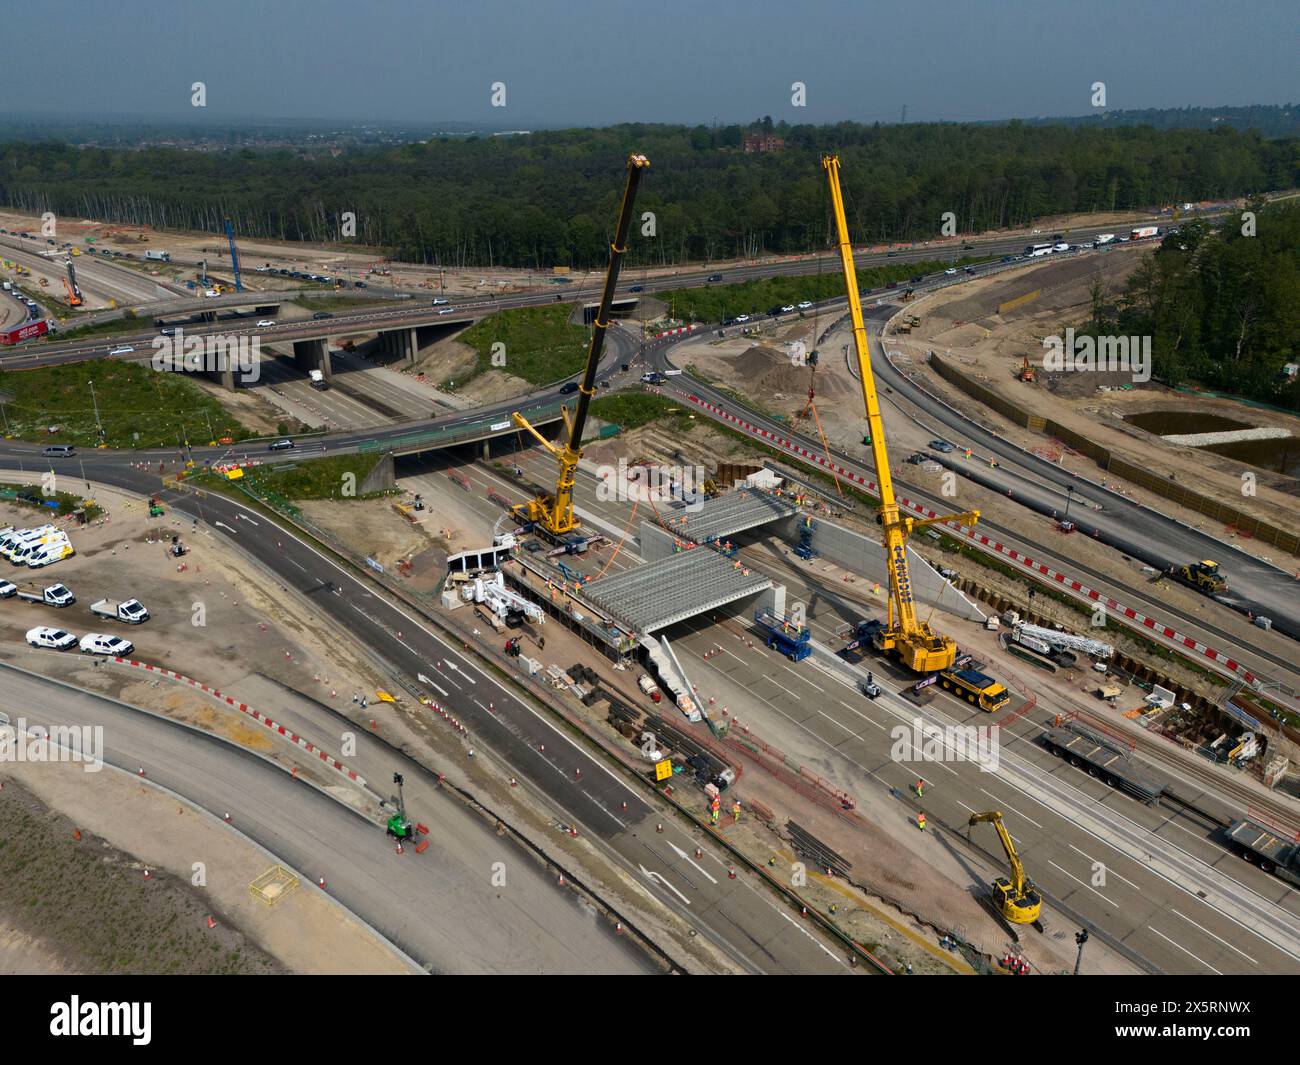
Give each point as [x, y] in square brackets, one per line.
[1213, 936]
[1185, 951]
[657, 878]
[1082, 884]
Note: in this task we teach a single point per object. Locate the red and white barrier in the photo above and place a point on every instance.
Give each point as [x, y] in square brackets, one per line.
[677, 332]
[1067, 582]
[244, 708]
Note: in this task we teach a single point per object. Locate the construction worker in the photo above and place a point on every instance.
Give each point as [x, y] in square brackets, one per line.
[735, 812]
[920, 821]
[920, 787]
[713, 817]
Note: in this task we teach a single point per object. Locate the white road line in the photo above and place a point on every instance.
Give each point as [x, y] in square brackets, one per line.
[1008, 806]
[803, 678]
[1185, 951]
[1213, 936]
[863, 716]
[826, 950]
[1081, 883]
[784, 689]
[1109, 870]
[682, 854]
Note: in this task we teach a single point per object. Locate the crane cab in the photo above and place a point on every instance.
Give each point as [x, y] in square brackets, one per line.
[1021, 907]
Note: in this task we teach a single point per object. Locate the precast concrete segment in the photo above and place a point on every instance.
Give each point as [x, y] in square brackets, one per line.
[716, 519]
[674, 589]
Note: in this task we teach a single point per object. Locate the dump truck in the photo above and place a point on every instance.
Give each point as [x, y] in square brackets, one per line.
[132, 611]
[1266, 848]
[56, 595]
[1104, 756]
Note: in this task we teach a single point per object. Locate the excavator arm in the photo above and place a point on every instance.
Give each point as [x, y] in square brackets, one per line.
[554, 513]
[1016, 898]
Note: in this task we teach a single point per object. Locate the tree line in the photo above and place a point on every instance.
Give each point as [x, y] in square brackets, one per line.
[1220, 303]
[550, 198]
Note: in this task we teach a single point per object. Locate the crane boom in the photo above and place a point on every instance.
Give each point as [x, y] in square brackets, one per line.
[234, 256]
[918, 646]
[74, 292]
[554, 513]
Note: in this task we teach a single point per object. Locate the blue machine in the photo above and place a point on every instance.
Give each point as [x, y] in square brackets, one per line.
[790, 639]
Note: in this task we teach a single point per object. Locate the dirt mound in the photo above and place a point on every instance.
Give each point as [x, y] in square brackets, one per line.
[771, 371]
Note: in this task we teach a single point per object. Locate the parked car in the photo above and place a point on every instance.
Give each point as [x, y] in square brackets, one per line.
[55, 639]
[98, 643]
[8, 589]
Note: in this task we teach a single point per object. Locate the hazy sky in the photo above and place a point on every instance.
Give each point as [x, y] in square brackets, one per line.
[594, 62]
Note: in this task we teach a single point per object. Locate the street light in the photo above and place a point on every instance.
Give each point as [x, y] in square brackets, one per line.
[1069, 496]
[1080, 937]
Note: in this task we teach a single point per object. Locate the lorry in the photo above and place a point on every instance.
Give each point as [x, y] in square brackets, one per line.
[132, 611]
[1265, 848]
[1143, 232]
[1102, 755]
[56, 595]
[975, 687]
[649, 687]
[318, 381]
[158, 256]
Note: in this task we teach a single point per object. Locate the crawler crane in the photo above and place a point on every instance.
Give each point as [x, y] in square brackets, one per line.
[913, 641]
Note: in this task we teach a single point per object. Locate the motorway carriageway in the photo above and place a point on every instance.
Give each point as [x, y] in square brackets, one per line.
[1157, 861]
[438, 907]
[1264, 663]
[745, 920]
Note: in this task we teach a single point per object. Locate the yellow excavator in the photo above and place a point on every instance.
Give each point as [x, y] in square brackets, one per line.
[1014, 897]
[553, 514]
[913, 641]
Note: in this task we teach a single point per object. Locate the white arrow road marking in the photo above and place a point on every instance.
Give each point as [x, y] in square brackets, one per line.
[425, 680]
[682, 854]
[656, 878]
[223, 525]
[244, 517]
[452, 665]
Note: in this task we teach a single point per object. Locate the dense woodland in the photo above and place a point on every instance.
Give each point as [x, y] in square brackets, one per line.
[1222, 308]
[549, 198]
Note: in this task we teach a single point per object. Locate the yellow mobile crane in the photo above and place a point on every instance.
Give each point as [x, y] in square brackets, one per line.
[915, 643]
[1015, 898]
[554, 513]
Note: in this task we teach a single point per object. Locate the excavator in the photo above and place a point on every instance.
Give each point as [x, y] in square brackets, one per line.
[1015, 898]
[910, 639]
[74, 293]
[553, 514]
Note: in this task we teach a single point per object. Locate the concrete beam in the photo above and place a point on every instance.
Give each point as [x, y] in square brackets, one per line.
[313, 355]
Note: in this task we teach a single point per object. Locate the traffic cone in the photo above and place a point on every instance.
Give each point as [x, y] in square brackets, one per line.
[76, 833]
[321, 883]
[211, 922]
[146, 874]
[731, 872]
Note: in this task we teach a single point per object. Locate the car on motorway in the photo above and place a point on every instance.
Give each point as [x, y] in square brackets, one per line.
[568, 388]
[447, 310]
[637, 288]
[741, 318]
[167, 331]
[942, 446]
[266, 323]
[892, 284]
[59, 451]
[122, 349]
[56, 639]
[970, 269]
[438, 301]
[805, 305]
[320, 316]
[917, 277]
[787, 308]
[714, 277]
[280, 445]
[358, 284]
[98, 643]
[951, 270]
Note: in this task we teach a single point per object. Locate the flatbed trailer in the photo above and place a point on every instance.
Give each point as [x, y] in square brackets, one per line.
[1108, 758]
[1267, 848]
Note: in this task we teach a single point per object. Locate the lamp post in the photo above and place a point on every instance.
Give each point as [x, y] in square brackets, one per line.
[1069, 496]
[1080, 937]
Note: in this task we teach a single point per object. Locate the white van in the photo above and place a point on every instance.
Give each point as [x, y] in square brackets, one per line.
[47, 554]
[21, 537]
[27, 550]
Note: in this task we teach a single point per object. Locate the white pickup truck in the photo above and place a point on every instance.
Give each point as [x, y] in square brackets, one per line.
[52, 595]
[132, 611]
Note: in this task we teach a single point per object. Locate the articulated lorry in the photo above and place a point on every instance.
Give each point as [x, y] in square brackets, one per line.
[1101, 755]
